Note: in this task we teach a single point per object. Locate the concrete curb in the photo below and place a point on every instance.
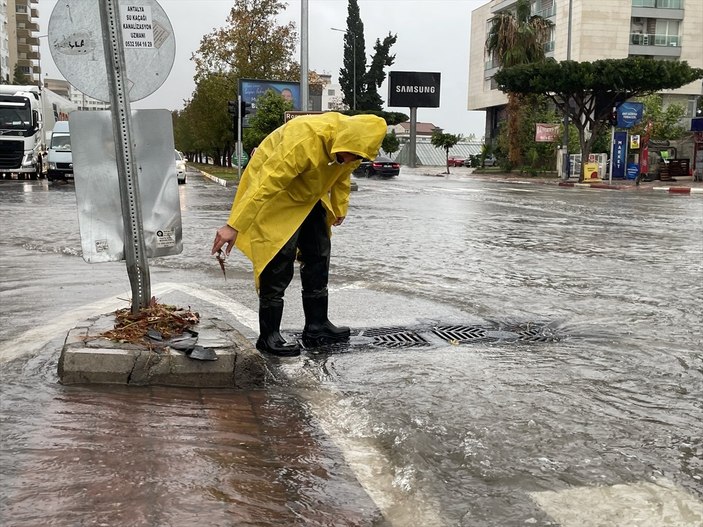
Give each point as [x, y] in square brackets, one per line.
[680, 190]
[88, 358]
[672, 190]
[219, 181]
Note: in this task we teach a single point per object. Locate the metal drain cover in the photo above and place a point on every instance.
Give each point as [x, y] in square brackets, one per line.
[460, 334]
[433, 334]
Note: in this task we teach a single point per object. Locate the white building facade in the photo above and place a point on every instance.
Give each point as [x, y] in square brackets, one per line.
[600, 29]
[19, 39]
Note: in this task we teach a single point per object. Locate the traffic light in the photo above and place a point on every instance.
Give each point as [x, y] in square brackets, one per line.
[244, 110]
[613, 116]
[233, 108]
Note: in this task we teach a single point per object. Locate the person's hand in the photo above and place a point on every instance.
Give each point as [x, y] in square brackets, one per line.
[224, 235]
[338, 221]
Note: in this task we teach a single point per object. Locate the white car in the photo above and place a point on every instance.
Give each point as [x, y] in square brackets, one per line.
[180, 168]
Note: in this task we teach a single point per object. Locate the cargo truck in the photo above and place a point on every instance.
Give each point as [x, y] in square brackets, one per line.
[27, 117]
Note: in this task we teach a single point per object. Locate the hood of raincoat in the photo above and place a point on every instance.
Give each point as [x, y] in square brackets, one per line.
[293, 169]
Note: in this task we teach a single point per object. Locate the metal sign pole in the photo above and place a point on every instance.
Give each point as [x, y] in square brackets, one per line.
[135, 248]
[239, 139]
[413, 135]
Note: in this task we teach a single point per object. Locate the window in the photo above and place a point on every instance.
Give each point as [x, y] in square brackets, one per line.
[691, 108]
[667, 33]
[670, 4]
[331, 93]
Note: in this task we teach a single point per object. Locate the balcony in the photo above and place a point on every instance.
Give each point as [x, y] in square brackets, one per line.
[652, 39]
[659, 4]
[547, 13]
[653, 45]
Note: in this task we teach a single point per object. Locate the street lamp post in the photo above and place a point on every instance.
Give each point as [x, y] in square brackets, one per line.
[566, 169]
[353, 63]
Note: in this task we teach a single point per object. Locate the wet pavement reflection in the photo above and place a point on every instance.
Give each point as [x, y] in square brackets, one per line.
[497, 432]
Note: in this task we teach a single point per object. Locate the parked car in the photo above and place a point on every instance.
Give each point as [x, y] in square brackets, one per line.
[490, 161]
[382, 166]
[456, 161]
[180, 168]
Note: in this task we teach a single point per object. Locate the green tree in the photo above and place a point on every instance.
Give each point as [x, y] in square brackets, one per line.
[210, 123]
[390, 143]
[665, 121]
[354, 74]
[447, 141]
[589, 90]
[270, 112]
[516, 38]
[252, 45]
[535, 156]
[20, 77]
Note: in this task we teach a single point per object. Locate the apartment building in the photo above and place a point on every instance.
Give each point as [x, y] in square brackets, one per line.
[19, 39]
[4, 44]
[600, 29]
[80, 99]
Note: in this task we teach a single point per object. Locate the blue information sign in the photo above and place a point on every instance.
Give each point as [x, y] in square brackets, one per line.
[629, 114]
[619, 154]
[633, 170]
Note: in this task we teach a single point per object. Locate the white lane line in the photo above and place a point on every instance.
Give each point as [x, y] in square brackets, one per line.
[33, 340]
[644, 504]
[369, 464]
[243, 314]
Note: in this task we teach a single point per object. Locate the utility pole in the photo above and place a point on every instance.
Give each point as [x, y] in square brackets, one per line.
[304, 88]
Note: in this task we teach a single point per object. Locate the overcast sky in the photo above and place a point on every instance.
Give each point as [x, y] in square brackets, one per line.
[433, 36]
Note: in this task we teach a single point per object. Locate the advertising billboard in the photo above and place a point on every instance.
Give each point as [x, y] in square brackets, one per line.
[251, 89]
[619, 155]
[546, 133]
[629, 114]
[413, 89]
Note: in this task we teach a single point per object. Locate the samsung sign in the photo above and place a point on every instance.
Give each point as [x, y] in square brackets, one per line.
[412, 89]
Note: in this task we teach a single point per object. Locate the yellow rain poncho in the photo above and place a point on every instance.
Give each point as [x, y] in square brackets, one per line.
[293, 169]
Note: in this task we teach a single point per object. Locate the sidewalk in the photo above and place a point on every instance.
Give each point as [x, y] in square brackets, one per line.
[682, 185]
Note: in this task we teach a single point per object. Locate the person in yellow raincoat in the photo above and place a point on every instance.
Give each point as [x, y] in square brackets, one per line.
[293, 190]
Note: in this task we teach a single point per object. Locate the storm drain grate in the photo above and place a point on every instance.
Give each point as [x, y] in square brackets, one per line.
[395, 337]
[427, 335]
[536, 334]
[460, 334]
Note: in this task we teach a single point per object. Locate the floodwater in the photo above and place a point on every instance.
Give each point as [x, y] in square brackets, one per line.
[599, 425]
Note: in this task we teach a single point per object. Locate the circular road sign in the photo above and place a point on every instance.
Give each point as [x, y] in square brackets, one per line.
[76, 44]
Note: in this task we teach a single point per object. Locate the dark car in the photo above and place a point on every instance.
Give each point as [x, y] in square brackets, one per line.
[382, 166]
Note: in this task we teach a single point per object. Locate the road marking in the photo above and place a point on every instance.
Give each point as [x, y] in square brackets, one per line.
[369, 464]
[32, 340]
[644, 504]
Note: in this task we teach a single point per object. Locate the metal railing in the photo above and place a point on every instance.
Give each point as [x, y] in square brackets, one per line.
[661, 4]
[652, 39]
[548, 12]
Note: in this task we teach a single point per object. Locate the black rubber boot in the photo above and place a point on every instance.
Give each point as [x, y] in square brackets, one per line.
[318, 329]
[270, 339]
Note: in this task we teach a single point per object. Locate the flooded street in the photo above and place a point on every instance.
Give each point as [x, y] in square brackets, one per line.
[596, 421]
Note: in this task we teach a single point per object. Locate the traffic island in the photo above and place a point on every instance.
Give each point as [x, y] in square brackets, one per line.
[88, 357]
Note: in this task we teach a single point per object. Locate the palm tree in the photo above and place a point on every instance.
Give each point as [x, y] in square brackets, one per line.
[516, 38]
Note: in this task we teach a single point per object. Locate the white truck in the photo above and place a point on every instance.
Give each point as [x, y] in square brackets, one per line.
[27, 117]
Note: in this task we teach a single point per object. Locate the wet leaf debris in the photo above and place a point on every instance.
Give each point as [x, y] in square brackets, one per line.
[167, 320]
